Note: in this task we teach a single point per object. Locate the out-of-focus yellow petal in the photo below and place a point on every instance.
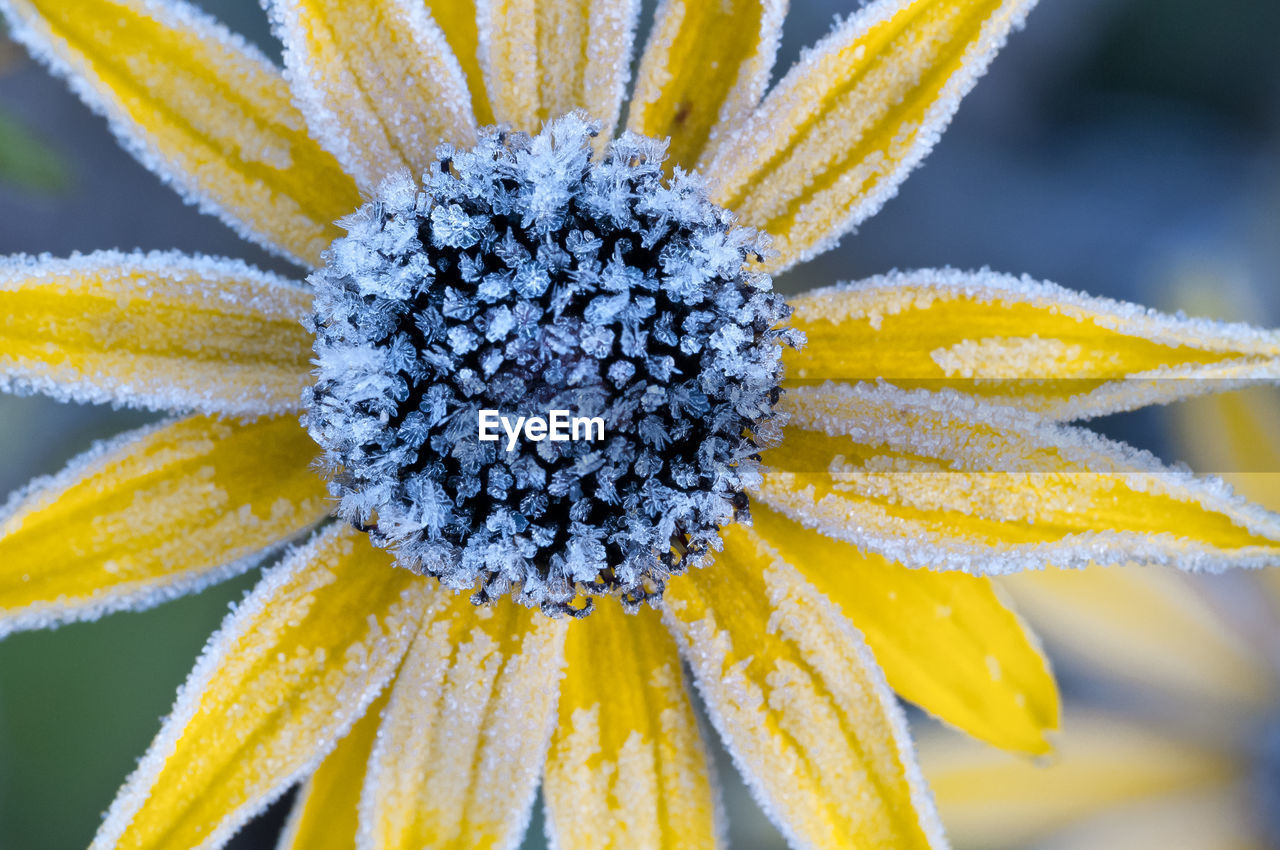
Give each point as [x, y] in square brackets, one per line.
[549, 57]
[160, 331]
[457, 19]
[990, 799]
[1235, 436]
[944, 640]
[290, 671]
[799, 701]
[153, 515]
[464, 736]
[324, 817]
[199, 107]
[1219, 818]
[377, 81]
[1148, 625]
[1020, 342]
[832, 141]
[627, 767]
[943, 481]
[704, 68]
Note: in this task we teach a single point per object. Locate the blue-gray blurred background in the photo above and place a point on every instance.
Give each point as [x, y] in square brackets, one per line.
[1121, 147]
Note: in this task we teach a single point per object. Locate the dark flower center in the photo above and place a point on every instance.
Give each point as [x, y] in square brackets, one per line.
[526, 280]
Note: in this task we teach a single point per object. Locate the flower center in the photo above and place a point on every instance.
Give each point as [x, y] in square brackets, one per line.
[528, 282]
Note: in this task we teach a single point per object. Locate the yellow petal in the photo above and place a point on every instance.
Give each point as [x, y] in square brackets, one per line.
[1219, 818]
[799, 701]
[833, 141]
[290, 671]
[324, 817]
[465, 733]
[703, 70]
[377, 82]
[549, 57]
[1020, 342]
[153, 515]
[991, 799]
[1150, 626]
[944, 640]
[160, 331]
[943, 481]
[1234, 435]
[457, 19]
[627, 767]
[201, 108]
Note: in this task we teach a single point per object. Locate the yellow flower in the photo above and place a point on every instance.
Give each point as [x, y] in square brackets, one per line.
[924, 450]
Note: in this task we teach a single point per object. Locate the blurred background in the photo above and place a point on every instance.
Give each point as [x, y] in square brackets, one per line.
[1127, 148]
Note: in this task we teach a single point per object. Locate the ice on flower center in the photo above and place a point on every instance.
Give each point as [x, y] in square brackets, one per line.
[527, 276]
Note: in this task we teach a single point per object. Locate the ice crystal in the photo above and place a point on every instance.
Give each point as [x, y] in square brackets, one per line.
[525, 276]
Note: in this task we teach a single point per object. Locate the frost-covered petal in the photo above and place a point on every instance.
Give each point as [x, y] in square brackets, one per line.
[377, 82]
[153, 515]
[544, 58]
[457, 20]
[945, 640]
[156, 331]
[465, 732]
[800, 702]
[703, 70]
[627, 766]
[289, 672]
[1021, 342]
[325, 815]
[198, 106]
[1149, 625]
[837, 136]
[943, 481]
[1104, 764]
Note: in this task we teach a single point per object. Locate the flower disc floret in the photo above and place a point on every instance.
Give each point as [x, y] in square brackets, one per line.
[526, 276]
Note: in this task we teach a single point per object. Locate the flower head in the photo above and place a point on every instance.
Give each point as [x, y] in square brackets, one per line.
[526, 277]
[920, 443]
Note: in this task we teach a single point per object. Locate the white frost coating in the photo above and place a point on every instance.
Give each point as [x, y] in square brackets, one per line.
[757, 141]
[743, 96]
[610, 44]
[997, 450]
[655, 788]
[49, 615]
[136, 790]
[753, 78]
[876, 296]
[465, 733]
[510, 69]
[154, 382]
[1029, 358]
[836, 652]
[381, 99]
[542, 60]
[28, 28]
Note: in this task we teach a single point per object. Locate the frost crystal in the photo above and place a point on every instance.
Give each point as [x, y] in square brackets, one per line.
[524, 276]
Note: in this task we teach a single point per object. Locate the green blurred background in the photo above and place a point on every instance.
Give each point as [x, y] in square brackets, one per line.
[1115, 145]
